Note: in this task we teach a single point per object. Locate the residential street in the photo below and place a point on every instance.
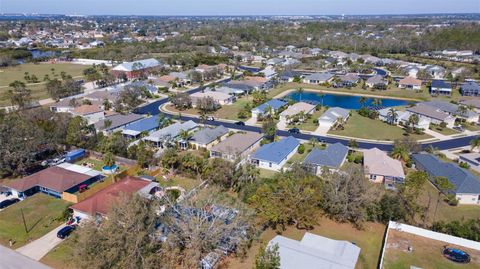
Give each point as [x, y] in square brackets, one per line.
[40, 247]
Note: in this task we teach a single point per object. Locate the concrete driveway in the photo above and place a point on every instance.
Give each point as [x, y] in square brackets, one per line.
[40, 247]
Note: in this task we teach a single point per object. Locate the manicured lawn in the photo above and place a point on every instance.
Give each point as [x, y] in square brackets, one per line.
[362, 127]
[61, 256]
[471, 127]
[368, 239]
[444, 131]
[298, 158]
[310, 125]
[178, 180]
[10, 74]
[42, 214]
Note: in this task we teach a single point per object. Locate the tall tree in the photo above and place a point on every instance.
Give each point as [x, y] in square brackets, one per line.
[19, 95]
[268, 257]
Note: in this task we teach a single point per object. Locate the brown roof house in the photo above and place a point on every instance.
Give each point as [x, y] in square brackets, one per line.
[380, 168]
[410, 83]
[236, 146]
[91, 113]
[99, 204]
[54, 181]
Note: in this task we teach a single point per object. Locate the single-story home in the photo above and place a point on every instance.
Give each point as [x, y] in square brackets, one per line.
[435, 115]
[54, 181]
[269, 73]
[376, 81]
[381, 168]
[410, 83]
[453, 110]
[136, 68]
[440, 87]
[235, 89]
[348, 80]
[97, 206]
[470, 88]
[236, 146]
[273, 156]
[472, 159]
[332, 115]
[403, 117]
[332, 158]
[289, 76]
[274, 105]
[318, 78]
[146, 125]
[91, 113]
[170, 134]
[472, 103]
[315, 251]
[207, 137]
[467, 185]
[295, 109]
[219, 98]
[116, 122]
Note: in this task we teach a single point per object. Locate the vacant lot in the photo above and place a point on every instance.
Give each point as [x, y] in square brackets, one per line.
[10, 74]
[369, 239]
[42, 214]
[362, 127]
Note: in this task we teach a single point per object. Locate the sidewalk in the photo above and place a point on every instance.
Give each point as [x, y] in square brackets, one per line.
[40, 247]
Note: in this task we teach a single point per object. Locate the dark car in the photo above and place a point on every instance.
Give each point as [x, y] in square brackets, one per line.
[240, 123]
[9, 202]
[294, 131]
[65, 232]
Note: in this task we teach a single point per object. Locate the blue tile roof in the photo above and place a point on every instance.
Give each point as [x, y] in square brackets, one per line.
[146, 124]
[277, 151]
[464, 181]
[274, 103]
[441, 84]
[332, 156]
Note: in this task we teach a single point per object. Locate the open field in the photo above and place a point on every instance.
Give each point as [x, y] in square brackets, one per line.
[42, 214]
[362, 127]
[10, 74]
[369, 240]
[427, 253]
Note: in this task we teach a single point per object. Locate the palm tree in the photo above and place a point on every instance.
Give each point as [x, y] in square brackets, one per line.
[401, 153]
[377, 102]
[392, 115]
[108, 159]
[413, 120]
[475, 143]
[184, 135]
[462, 110]
[363, 100]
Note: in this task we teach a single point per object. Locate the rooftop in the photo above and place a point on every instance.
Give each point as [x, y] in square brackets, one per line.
[276, 152]
[171, 131]
[117, 121]
[377, 162]
[137, 65]
[237, 143]
[297, 108]
[274, 104]
[441, 84]
[332, 157]
[208, 135]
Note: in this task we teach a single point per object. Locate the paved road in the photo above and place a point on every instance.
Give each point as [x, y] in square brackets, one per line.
[153, 109]
[11, 259]
[40, 247]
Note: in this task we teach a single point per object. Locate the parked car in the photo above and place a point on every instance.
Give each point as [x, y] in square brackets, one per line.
[65, 231]
[9, 202]
[294, 131]
[210, 118]
[459, 128]
[82, 188]
[240, 123]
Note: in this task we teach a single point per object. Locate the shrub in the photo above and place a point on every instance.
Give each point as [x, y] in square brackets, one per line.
[301, 149]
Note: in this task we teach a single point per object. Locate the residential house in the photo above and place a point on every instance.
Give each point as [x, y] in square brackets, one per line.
[403, 118]
[208, 137]
[295, 109]
[145, 125]
[171, 134]
[332, 115]
[348, 80]
[275, 61]
[470, 88]
[318, 78]
[376, 81]
[269, 73]
[410, 83]
[235, 88]
[440, 87]
[91, 113]
[472, 103]
[220, 98]
[54, 181]
[271, 106]
[315, 251]
[98, 205]
[289, 76]
[116, 122]
[331, 158]
[411, 70]
[181, 78]
[236, 146]
[437, 72]
[136, 69]
[274, 156]
[62, 106]
[454, 110]
[381, 168]
[466, 185]
[472, 159]
[435, 115]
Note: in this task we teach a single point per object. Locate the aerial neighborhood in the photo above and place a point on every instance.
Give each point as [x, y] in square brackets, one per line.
[267, 142]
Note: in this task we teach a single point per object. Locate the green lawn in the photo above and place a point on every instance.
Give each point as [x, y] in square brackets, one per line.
[179, 180]
[443, 131]
[265, 173]
[298, 158]
[309, 125]
[10, 74]
[61, 256]
[98, 164]
[42, 214]
[362, 127]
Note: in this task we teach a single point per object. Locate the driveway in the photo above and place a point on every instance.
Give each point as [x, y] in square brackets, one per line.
[40, 247]
[322, 130]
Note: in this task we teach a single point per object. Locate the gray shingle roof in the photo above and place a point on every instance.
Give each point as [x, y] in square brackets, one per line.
[208, 135]
[319, 76]
[332, 156]
[449, 108]
[464, 181]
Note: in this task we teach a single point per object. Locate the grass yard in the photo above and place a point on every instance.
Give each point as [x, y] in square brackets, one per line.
[42, 214]
[369, 240]
[10, 74]
[362, 127]
[309, 125]
[265, 173]
[61, 256]
[443, 131]
[298, 158]
[178, 180]
[98, 164]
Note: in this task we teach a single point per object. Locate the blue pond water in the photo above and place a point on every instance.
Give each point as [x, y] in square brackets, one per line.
[343, 101]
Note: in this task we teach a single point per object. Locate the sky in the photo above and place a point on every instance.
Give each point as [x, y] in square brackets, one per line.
[238, 7]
